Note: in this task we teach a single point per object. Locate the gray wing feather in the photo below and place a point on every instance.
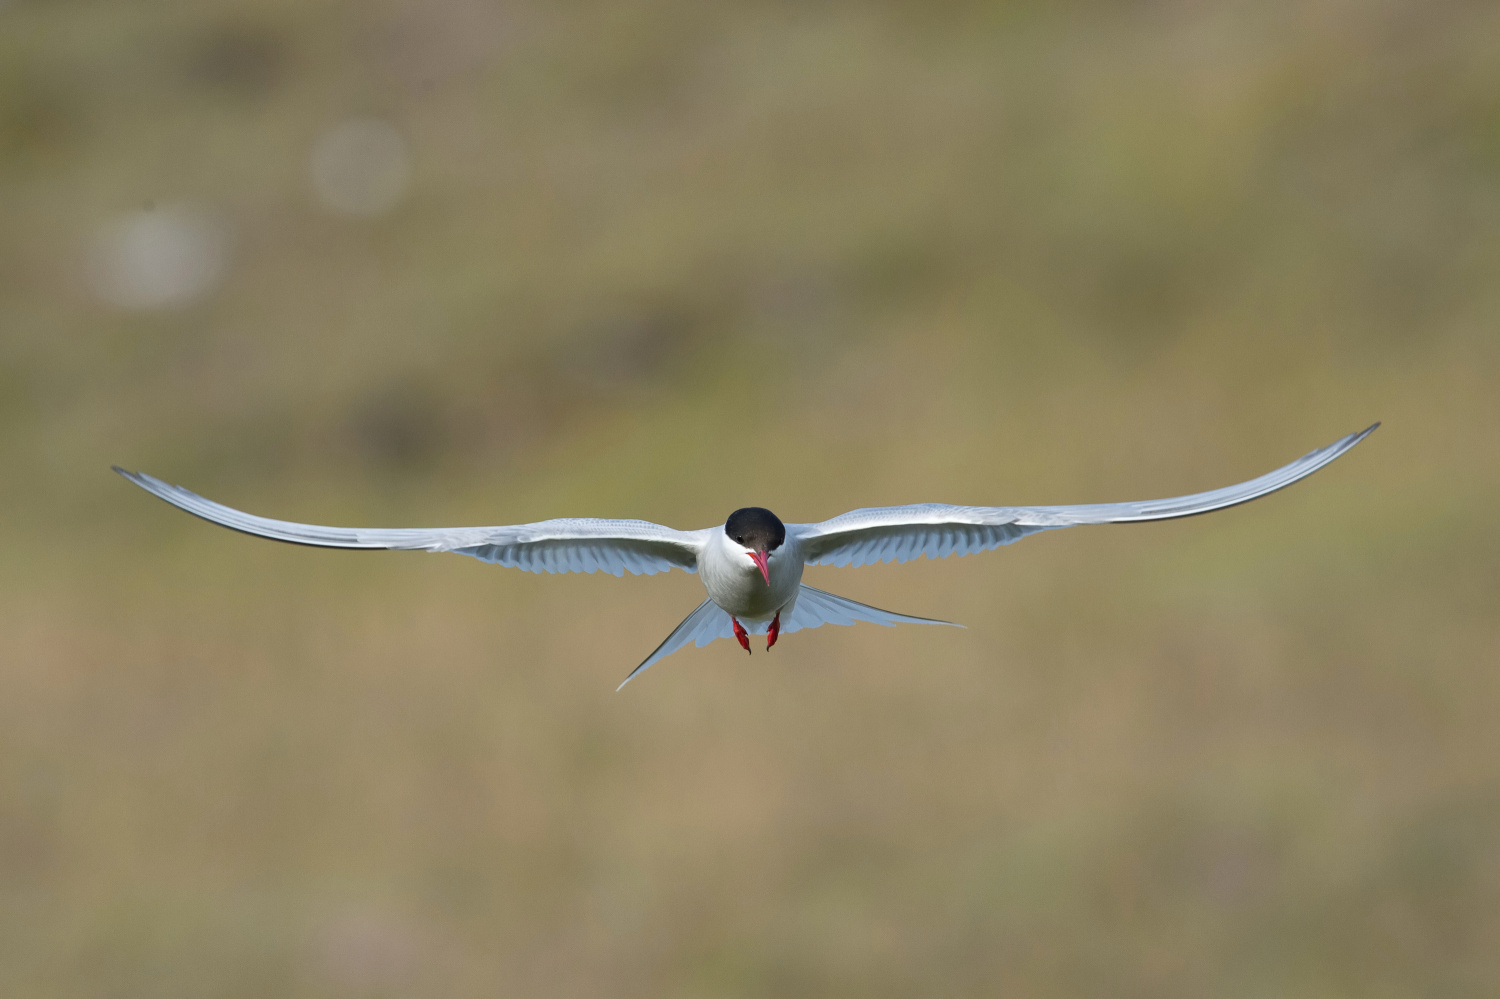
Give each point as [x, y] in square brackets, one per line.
[936, 530]
[705, 624]
[569, 545]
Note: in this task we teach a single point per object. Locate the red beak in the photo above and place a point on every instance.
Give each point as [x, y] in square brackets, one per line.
[760, 560]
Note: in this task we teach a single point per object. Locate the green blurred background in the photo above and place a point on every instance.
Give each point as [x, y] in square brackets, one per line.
[470, 262]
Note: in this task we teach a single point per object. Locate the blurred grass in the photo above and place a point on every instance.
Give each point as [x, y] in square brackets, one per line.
[991, 253]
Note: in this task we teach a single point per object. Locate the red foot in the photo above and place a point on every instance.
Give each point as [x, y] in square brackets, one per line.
[775, 631]
[741, 634]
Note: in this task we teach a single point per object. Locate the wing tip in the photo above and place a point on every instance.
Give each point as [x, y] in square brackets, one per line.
[150, 483]
[632, 676]
[1341, 446]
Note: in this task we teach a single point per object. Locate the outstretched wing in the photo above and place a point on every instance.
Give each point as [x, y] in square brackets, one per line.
[901, 533]
[578, 545]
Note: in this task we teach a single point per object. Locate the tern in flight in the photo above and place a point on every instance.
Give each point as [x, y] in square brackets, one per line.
[752, 566]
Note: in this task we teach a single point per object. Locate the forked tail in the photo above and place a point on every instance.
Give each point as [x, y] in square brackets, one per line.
[813, 609]
[816, 608]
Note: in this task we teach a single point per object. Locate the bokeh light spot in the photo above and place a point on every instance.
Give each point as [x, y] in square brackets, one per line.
[159, 258]
[360, 167]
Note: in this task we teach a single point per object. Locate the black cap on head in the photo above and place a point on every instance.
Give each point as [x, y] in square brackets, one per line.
[755, 527]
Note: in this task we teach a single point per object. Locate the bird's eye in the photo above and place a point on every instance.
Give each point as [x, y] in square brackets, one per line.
[740, 539]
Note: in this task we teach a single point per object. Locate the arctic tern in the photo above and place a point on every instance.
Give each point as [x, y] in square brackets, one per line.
[752, 566]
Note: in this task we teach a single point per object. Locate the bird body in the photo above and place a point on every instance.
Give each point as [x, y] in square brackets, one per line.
[734, 581]
[752, 566]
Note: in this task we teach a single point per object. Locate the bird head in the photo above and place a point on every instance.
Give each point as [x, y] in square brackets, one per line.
[759, 532]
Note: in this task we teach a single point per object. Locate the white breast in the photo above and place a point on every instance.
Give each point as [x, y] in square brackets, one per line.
[734, 582]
